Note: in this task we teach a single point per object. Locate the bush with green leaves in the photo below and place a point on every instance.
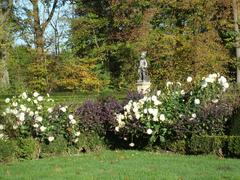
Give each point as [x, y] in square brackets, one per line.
[7, 150]
[57, 147]
[31, 115]
[27, 148]
[156, 115]
[234, 146]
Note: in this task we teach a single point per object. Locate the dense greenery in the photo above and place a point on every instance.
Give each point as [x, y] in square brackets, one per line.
[105, 39]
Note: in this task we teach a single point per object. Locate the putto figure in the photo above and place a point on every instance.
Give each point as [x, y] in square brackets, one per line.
[142, 69]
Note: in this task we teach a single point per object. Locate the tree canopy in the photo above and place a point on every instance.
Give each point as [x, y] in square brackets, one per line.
[105, 38]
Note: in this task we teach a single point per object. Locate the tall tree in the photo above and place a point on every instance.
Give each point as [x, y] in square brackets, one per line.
[5, 14]
[236, 27]
[35, 20]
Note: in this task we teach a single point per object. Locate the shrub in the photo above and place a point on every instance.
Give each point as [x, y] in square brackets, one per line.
[33, 115]
[7, 150]
[57, 147]
[98, 116]
[177, 146]
[27, 148]
[90, 141]
[234, 146]
[165, 114]
[208, 144]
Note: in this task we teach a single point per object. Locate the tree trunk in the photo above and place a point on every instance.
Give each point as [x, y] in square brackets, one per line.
[235, 13]
[39, 42]
[5, 44]
[39, 28]
[38, 32]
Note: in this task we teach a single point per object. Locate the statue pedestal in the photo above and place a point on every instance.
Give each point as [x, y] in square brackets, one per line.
[143, 87]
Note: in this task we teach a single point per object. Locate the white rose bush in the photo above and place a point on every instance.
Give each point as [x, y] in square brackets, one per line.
[157, 116]
[34, 115]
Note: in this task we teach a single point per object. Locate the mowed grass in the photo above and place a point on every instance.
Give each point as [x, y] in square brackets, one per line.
[124, 165]
[75, 98]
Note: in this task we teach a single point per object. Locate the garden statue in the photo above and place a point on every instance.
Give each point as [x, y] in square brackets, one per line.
[143, 83]
[142, 70]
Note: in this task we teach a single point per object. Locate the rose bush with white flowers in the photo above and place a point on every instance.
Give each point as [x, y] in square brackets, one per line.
[155, 115]
[34, 115]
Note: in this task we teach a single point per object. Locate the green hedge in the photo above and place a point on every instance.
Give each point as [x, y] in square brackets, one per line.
[234, 146]
[57, 147]
[219, 145]
[27, 149]
[7, 150]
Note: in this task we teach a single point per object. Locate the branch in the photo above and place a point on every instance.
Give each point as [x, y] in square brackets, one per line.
[44, 25]
[6, 15]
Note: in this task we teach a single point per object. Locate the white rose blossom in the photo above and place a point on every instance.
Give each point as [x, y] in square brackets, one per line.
[132, 144]
[149, 131]
[40, 98]
[73, 121]
[50, 139]
[215, 101]
[162, 117]
[158, 93]
[24, 95]
[1, 127]
[50, 110]
[63, 109]
[15, 127]
[36, 125]
[197, 101]
[35, 94]
[77, 134]
[194, 115]
[21, 116]
[7, 100]
[43, 128]
[189, 79]
[117, 129]
[31, 113]
[70, 116]
[39, 118]
[15, 104]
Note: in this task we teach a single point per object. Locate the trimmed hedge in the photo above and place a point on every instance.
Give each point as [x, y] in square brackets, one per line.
[27, 148]
[7, 150]
[219, 145]
[234, 146]
[57, 147]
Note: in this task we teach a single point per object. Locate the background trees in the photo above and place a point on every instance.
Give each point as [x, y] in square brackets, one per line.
[101, 42]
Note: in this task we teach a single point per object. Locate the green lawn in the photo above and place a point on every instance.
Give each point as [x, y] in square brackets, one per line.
[76, 97]
[124, 165]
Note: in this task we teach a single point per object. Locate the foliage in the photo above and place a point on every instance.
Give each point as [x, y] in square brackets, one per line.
[90, 141]
[33, 115]
[27, 148]
[178, 146]
[174, 57]
[98, 116]
[181, 37]
[156, 115]
[220, 145]
[73, 75]
[208, 144]
[7, 150]
[57, 147]
[234, 146]
[20, 57]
